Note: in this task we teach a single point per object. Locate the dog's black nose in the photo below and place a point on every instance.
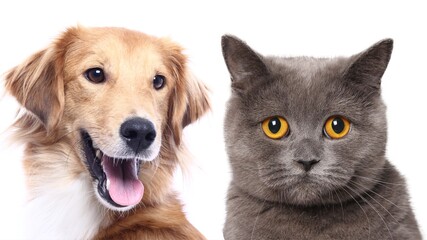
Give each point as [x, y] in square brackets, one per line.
[138, 133]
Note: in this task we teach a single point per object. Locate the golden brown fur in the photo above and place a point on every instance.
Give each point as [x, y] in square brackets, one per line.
[59, 102]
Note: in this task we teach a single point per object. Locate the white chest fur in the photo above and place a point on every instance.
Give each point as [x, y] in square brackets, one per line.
[70, 211]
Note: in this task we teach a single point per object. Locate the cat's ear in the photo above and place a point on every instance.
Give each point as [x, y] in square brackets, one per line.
[244, 64]
[367, 67]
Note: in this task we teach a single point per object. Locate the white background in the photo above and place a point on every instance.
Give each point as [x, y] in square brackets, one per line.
[317, 28]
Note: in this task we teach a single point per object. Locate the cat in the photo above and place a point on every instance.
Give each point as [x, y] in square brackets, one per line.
[306, 140]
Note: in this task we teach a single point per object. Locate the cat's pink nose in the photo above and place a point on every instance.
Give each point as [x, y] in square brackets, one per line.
[307, 164]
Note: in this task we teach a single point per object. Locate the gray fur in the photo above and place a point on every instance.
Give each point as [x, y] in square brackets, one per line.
[353, 192]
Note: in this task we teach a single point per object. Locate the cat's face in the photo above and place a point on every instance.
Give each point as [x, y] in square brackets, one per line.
[305, 131]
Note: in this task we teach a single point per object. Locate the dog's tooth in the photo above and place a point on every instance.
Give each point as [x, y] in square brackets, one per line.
[108, 184]
[98, 154]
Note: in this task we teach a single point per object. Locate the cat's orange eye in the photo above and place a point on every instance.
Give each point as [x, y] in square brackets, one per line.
[275, 127]
[337, 127]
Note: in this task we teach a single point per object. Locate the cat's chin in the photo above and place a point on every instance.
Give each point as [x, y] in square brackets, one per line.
[304, 195]
[304, 191]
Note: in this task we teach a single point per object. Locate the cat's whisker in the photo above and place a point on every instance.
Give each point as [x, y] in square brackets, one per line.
[363, 210]
[380, 168]
[379, 181]
[249, 168]
[373, 208]
[279, 172]
[256, 219]
[340, 201]
[367, 193]
[385, 184]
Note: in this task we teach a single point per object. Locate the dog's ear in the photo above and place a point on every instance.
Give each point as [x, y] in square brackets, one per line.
[189, 99]
[38, 86]
[197, 100]
[188, 103]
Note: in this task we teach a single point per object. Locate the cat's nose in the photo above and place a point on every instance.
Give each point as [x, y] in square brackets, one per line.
[307, 165]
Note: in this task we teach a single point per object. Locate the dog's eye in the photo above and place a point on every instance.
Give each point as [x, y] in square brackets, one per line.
[159, 82]
[95, 75]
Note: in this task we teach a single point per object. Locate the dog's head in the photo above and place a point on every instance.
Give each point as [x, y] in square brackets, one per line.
[121, 95]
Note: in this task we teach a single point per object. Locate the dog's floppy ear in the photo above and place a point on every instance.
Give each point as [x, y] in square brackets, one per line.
[38, 86]
[197, 100]
[189, 99]
[188, 105]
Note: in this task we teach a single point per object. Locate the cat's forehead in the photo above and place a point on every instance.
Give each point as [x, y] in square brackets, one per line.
[307, 71]
[302, 87]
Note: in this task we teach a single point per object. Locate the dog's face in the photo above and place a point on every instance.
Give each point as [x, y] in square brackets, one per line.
[120, 94]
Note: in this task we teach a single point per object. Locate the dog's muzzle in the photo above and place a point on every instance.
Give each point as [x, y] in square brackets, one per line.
[117, 177]
[138, 133]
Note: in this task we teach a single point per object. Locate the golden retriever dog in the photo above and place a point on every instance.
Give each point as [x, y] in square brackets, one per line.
[102, 120]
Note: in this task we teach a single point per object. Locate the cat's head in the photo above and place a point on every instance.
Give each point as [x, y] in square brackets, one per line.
[302, 130]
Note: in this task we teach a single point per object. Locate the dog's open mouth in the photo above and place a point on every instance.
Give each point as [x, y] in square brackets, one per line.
[118, 181]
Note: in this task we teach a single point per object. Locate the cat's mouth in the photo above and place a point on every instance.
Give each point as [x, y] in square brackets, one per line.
[304, 188]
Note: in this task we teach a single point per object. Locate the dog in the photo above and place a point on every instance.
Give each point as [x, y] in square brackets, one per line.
[102, 120]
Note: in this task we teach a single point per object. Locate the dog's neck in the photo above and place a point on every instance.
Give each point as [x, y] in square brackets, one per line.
[69, 211]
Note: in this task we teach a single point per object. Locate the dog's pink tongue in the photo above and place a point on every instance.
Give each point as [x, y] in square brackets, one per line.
[125, 188]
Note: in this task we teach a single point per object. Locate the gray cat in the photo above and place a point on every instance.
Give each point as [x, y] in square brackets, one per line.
[306, 139]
